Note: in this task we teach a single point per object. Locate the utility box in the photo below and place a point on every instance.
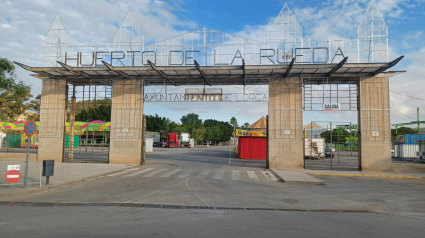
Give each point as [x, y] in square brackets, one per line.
[48, 167]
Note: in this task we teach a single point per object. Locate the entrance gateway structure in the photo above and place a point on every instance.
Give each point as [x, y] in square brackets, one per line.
[288, 63]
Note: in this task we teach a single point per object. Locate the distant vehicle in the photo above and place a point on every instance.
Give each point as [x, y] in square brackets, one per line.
[328, 153]
[172, 141]
[171, 144]
[185, 140]
[157, 144]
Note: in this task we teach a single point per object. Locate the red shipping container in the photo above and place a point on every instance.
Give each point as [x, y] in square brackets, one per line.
[252, 148]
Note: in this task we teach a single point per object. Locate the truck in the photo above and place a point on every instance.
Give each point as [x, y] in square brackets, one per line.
[185, 140]
[172, 140]
[314, 148]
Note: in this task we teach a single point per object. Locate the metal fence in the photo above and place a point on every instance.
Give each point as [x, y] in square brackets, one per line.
[13, 145]
[34, 173]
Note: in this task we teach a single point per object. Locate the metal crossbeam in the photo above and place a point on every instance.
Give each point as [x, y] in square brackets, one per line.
[161, 73]
[111, 68]
[338, 66]
[71, 69]
[243, 71]
[389, 65]
[32, 70]
[202, 73]
[289, 68]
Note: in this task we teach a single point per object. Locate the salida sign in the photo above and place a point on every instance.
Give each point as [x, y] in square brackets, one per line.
[331, 107]
[184, 58]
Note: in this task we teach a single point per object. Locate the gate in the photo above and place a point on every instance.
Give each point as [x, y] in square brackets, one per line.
[331, 146]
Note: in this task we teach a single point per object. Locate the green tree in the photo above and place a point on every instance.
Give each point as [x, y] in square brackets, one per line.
[13, 96]
[35, 106]
[100, 113]
[234, 123]
[338, 136]
[245, 125]
[198, 134]
[191, 121]
[402, 131]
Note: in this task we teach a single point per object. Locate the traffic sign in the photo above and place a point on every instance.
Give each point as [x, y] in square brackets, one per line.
[30, 128]
[13, 176]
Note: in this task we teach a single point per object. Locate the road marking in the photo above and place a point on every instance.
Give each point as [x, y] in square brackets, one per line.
[170, 173]
[154, 173]
[269, 176]
[203, 174]
[252, 175]
[122, 172]
[202, 200]
[185, 174]
[235, 175]
[230, 156]
[219, 174]
[161, 190]
[139, 172]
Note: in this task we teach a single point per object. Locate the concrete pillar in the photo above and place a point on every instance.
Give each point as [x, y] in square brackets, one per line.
[126, 142]
[374, 124]
[52, 120]
[72, 127]
[286, 124]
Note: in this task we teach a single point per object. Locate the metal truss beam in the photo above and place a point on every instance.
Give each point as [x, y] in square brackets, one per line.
[202, 73]
[389, 65]
[161, 73]
[337, 67]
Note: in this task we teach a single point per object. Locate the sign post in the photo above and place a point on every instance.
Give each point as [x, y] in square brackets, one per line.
[30, 129]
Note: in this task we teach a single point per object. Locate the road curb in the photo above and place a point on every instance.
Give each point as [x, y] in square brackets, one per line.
[370, 175]
[43, 189]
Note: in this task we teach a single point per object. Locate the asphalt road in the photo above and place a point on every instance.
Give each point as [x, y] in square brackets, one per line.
[214, 177]
[130, 222]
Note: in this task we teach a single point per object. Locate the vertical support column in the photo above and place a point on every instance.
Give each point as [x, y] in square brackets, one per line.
[374, 123]
[72, 126]
[126, 141]
[285, 140]
[52, 120]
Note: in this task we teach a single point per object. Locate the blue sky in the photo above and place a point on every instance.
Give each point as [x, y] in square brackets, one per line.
[23, 25]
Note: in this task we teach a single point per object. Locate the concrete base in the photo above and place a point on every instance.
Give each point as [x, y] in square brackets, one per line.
[408, 168]
[286, 155]
[50, 149]
[376, 157]
[295, 176]
[126, 151]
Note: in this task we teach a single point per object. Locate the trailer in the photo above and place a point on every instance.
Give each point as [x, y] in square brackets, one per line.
[314, 148]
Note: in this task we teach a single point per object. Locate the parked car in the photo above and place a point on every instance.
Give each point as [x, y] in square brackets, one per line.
[157, 144]
[329, 152]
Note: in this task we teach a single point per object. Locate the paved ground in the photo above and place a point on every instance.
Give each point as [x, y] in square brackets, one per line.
[115, 222]
[215, 177]
[64, 173]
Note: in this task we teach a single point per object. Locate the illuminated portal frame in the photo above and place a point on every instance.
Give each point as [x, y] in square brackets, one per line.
[209, 47]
